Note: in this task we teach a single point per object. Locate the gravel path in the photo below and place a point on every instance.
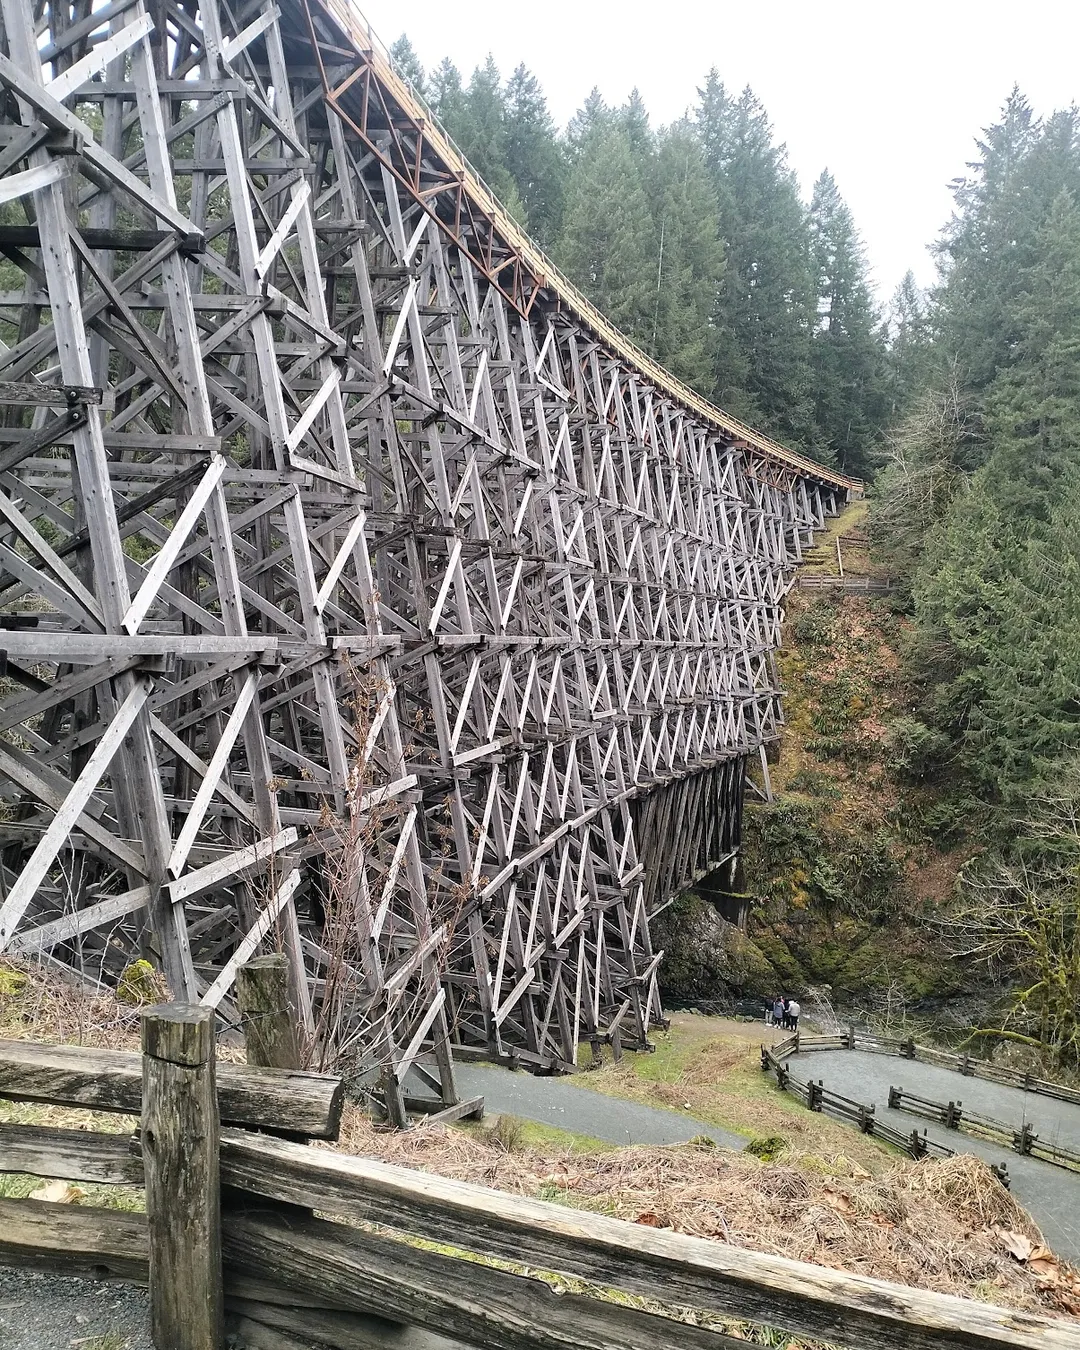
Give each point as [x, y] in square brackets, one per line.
[53, 1312]
[1051, 1194]
[572, 1106]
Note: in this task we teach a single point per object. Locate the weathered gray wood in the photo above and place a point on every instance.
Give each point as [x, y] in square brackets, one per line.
[183, 1190]
[104, 1244]
[266, 1017]
[859, 1312]
[111, 1080]
[74, 1155]
[478, 1304]
[576, 562]
[472, 1109]
[342, 1330]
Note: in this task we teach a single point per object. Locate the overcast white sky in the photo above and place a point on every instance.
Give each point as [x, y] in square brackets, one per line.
[889, 96]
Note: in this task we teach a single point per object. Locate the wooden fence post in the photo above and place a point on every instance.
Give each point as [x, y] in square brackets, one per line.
[266, 1017]
[183, 1194]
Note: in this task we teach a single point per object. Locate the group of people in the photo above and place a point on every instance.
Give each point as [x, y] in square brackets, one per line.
[783, 1012]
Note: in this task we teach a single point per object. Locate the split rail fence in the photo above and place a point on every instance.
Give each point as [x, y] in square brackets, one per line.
[817, 1097]
[1021, 1139]
[233, 1226]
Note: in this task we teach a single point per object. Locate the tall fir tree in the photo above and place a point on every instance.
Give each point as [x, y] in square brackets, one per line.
[690, 259]
[407, 63]
[533, 156]
[446, 94]
[607, 245]
[847, 356]
[998, 630]
[908, 334]
[765, 304]
[590, 120]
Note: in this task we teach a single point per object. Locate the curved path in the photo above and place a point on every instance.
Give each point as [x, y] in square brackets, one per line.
[581, 1110]
[1051, 1194]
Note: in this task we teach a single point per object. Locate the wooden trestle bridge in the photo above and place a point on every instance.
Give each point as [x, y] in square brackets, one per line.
[362, 591]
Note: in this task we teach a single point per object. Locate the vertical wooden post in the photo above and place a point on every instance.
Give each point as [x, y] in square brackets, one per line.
[266, 1017]
[851, 1035]
[183, 1194]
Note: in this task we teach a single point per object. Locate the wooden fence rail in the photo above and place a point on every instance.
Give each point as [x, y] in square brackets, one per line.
[415, 1250]
[1021, 1139]
[968, 1065]
[816, 1097]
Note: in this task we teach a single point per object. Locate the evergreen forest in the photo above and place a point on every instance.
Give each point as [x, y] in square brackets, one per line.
[959, 406]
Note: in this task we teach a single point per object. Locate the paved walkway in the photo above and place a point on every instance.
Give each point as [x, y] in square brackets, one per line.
[572, 1106]
[1051, 1194]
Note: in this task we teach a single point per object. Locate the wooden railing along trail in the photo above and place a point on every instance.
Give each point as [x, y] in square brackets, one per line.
[231, 1226]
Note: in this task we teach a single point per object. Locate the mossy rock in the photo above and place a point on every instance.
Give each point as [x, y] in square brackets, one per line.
[139, 984]
[12, 982]
[768, 1148]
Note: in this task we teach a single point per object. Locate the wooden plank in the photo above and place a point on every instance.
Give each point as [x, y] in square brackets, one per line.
[183, 1189]
[475, 1303]
[111, 1080]
[33, 873]
[73, 1155]
[436, 1112]
[48, 935]
[266, 1017]
[855, 1310]
[100, 1244]
[280, 896]
[342, 1330]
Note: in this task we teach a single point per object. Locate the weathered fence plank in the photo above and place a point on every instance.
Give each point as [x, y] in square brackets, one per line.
[111, 1080]
[852, 1310]
[342, 1330]
[267, 1018]
[74, 1155]
[104, 1244]
[183, 1190]
[479, 1304]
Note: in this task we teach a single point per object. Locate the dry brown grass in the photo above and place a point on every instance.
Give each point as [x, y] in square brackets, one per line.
[930, 1224]
[37, 1005]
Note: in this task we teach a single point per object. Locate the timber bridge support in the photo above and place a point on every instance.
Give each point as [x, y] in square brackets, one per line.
[363, 592]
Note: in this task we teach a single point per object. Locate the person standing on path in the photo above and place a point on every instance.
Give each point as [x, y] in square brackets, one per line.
[794, 1012]
[778, 1011]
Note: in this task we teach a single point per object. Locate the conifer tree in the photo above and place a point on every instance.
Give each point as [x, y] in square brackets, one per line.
[846, 351]
[999, 625]
[908, 343]
[635, 121]
[446, 94]
[765, 306]
[987, 245]
[592, 118]
[407, 63]
[690, 260]
[607, 243]
[533, 155]
[482, 134]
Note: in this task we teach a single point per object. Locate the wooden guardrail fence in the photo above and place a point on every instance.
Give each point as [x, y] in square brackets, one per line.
[231, 1223]
[969, 1065]
[816, 1097]
[954, 1115]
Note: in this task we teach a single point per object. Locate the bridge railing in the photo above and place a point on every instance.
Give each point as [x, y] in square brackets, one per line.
[233, 1222]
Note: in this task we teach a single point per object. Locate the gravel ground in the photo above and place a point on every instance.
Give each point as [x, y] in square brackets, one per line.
[54, 1312]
